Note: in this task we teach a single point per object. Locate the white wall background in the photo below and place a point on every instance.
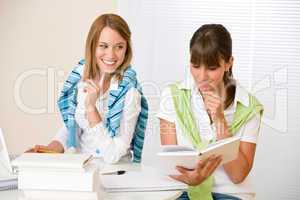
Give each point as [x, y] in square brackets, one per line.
[40, 41]
[266, 40]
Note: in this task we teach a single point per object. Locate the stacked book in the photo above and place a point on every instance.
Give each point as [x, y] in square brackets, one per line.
[8, 179]
[57, 176]
[8, 183]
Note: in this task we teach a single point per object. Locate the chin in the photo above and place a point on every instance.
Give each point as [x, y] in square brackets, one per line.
[109, 70]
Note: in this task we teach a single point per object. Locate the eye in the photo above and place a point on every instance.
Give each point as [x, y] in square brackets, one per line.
[195, 66]
[212, 68]
[120, 47]
[103, 46]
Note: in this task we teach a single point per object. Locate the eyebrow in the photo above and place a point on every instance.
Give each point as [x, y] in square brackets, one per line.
[119, 43]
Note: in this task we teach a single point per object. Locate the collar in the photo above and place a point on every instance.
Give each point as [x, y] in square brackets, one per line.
[114, 83]
[241, 94]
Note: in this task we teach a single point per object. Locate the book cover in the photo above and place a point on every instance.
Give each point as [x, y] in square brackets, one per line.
[59, 180]
[52, 160]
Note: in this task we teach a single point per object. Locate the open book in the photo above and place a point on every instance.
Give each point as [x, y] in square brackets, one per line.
[171, 156]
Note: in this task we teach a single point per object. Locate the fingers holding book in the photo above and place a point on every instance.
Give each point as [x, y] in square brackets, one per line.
[196, 176]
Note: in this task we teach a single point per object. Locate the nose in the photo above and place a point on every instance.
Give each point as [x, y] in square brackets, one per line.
[202, 74]
[111, 52]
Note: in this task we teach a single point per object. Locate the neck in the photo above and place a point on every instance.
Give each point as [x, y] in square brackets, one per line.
[107, 77]
[104, 81]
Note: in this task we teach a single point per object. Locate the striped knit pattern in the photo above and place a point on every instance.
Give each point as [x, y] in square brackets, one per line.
[115, 109]
[68, 101]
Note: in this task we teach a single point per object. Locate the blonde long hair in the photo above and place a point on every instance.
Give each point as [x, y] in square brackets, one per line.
[116, 23]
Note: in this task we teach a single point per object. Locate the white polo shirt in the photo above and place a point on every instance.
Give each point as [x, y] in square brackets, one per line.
[248, 132]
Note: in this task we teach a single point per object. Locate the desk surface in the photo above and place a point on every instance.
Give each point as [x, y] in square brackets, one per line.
[161, 195]
[157, 195]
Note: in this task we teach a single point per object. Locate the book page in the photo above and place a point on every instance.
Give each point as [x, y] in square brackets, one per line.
[168, 160]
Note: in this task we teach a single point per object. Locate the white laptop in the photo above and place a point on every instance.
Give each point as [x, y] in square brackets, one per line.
[6, 171]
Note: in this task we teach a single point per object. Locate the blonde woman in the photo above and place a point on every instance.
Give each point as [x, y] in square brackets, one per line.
[102, 104]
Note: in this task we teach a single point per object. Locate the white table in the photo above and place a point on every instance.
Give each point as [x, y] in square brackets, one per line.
[155, 195]
[160, 195]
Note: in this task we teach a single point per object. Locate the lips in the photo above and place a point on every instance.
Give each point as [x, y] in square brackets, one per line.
[204, 86]
[109, 62]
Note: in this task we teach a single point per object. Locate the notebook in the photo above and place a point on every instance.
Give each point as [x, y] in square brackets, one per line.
[146, 179]
[8, 178]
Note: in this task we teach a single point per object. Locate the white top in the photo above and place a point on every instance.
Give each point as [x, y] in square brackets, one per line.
[96, 140]
[249, 132]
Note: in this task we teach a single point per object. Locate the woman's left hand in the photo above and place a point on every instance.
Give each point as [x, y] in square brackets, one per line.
[196, 176]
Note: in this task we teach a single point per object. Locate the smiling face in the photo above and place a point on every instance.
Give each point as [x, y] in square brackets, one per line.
[110, 51]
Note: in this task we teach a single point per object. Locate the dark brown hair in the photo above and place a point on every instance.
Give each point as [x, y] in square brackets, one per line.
[116, 23]
[209, 44]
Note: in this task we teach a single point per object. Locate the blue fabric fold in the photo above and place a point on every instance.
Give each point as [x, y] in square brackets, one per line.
[67, 104]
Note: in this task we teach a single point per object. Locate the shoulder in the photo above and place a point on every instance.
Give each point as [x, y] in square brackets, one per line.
[166, 109]
[132, 97]
[249, 101]
[241, 95]
[133, 92]
[247, 98]
[79, 68]
[132, 102]
[166, 92]
[166, 95]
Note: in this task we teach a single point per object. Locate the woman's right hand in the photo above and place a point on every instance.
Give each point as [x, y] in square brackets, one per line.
[93, 93]
[196, 176]
[53, 147]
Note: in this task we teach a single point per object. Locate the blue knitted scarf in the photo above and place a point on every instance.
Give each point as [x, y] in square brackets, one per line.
[67, 104]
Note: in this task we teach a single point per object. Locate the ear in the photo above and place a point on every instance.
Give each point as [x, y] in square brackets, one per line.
[229, 64]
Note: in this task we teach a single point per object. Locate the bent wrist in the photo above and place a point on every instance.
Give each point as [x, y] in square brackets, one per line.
[219, 119]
